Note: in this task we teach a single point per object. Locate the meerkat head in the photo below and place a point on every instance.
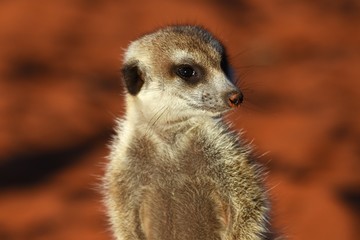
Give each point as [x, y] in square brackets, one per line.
[179, 72]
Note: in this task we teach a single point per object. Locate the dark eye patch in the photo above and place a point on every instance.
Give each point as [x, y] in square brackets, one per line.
[224, 64]
[186, 71]
[190, 73]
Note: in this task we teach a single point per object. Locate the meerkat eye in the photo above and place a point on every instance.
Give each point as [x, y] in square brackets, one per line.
[186, 71]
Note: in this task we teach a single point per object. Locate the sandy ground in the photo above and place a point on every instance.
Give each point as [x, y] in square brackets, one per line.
[299, 67]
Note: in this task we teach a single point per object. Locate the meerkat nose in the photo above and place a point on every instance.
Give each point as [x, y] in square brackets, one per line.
[235, 99]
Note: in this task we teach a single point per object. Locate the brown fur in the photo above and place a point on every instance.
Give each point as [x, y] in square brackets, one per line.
[189, 179]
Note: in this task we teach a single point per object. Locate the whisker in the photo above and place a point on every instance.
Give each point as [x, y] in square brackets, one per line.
[155, 118]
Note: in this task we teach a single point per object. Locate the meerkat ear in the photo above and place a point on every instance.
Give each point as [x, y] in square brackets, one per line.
[133, 77]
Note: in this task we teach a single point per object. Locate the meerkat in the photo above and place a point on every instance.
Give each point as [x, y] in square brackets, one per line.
[177, 171]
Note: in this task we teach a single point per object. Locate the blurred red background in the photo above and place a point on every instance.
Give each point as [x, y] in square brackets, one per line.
[60, 91]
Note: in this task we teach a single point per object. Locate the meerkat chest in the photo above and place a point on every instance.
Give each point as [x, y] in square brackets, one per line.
[170, 155]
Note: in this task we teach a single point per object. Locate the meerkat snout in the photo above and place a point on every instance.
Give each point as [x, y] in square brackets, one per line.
[235, 99]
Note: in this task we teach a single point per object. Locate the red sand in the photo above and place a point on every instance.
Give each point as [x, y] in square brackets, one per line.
[298, 63]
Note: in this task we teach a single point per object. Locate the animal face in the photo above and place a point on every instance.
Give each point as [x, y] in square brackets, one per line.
[182, 70]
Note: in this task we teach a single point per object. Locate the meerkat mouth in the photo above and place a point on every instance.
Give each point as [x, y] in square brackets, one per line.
[212, 112]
